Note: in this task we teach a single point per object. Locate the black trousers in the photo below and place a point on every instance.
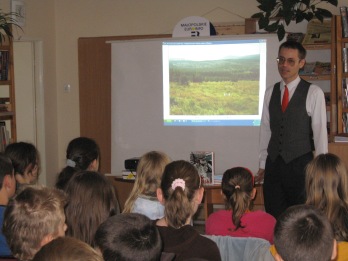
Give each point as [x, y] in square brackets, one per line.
[284, 184]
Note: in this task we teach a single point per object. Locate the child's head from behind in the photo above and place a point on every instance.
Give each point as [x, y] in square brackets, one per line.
[67, 249]
[82, 153]
[326, 175]
[148, 179]
[7, 179]
[129, 237]
[180, 192]
[238, 188]
[303, 233]
[150, 170]
[327, 189]
[25, 160]
[91, 201]
[33, 218]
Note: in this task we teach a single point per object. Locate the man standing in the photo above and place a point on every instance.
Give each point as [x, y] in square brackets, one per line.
[293, 125]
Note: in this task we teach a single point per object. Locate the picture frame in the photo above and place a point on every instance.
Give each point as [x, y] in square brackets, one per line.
[18, 7]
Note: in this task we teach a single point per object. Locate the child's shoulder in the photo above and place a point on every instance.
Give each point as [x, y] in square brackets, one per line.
[261, 215]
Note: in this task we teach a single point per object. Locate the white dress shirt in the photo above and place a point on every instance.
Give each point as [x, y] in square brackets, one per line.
[316, 108]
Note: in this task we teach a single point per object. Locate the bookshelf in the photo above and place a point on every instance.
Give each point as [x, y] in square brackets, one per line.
[342, 78]
[8, 133]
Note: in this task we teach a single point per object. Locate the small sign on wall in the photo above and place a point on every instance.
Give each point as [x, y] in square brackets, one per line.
[193, 26]
[18, 7]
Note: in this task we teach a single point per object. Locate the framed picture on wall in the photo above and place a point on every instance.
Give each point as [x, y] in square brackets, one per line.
[18, 7]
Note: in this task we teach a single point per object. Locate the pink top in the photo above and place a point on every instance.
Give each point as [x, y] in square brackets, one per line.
[256, 224]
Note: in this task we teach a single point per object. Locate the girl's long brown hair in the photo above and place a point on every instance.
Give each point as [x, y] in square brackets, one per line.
[327, 190]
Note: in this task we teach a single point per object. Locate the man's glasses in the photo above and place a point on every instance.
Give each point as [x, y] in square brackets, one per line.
[290, 61]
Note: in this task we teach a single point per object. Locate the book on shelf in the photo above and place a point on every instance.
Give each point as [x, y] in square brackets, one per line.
[344, 93]
[4, 62]
[344, 19]
[316, 68]
[318, 32]
[297, 37]
[327, 96]
[341, 137]
[4, 136]
[204, 163]
[128, 174]
[345, 122]
[345, 59]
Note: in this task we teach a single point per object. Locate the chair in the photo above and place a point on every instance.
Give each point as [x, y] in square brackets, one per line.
[242, 248]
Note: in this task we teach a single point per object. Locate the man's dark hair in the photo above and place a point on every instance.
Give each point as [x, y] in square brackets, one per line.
[129, 237]
[294, 45]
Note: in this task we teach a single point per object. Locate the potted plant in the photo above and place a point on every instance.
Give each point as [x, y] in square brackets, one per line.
[274, 13]
[7, 20]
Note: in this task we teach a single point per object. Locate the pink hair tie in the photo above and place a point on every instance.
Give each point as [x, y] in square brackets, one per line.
[236, 187]
[178, 183]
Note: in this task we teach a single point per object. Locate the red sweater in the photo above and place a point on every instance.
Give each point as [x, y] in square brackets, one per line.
[256, 224]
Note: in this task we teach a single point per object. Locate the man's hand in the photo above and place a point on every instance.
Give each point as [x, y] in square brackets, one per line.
[259, 176]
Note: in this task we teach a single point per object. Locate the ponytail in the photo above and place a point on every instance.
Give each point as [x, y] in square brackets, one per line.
[237, 186]
[179, 184]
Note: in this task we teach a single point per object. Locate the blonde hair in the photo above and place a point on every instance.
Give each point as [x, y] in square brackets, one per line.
[179, 200]
[67, 249]
[327, 190]
[149, 174]
[33, 214]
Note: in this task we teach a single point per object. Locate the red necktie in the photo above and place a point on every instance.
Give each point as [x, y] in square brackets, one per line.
[285, 100]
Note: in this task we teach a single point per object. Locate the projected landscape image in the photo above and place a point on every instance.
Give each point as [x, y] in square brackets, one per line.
[227, 86]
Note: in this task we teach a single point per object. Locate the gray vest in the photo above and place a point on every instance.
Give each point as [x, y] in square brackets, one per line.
[292, 134]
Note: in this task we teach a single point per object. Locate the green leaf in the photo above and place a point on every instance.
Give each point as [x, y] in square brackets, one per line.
[267, 5]
[333, 2]
[309, 16]
[281, 32]
[324, 12]
[263, 22]
[300, 16]
[257, 15]
[319, 16]
[272, 27]
[306, 2]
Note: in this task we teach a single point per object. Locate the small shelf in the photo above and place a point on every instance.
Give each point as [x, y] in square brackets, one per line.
[317, 46]
[324, 77]
[5, 82]
[6, 114]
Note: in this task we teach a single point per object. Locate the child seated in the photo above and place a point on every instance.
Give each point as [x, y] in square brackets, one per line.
[327, 190]
[67, 249]
[25, 160]
[238, 219]
[32, 219]
[92, 200]
[129, 237]
[143, 198]
[303, 233]
[82, 153]
[7, 190]
[181, 193]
